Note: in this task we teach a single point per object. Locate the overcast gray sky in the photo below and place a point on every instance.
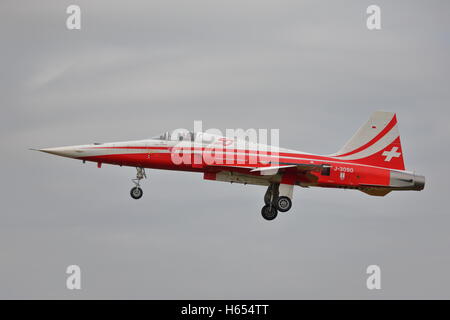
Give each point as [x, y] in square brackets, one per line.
[137, 68]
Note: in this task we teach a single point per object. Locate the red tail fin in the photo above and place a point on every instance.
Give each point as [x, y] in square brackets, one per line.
[376, 143]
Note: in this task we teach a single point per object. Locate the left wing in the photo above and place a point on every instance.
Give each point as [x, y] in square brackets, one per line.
[272, 170]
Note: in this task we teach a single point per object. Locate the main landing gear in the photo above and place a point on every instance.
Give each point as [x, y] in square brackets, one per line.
[284, 204]
[269, 212]
[136, 192]
[277, 198]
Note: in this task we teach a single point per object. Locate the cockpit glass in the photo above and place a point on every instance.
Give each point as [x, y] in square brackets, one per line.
[162, 136]
[176, 135]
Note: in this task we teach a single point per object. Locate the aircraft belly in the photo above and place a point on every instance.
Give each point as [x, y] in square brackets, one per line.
[234, 177]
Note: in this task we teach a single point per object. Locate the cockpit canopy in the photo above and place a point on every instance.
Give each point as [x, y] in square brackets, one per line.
[176, 135]
[185, 135]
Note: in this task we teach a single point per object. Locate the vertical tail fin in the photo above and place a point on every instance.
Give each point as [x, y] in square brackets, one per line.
[376, 143]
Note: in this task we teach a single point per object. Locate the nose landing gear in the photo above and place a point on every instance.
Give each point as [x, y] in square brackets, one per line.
[136, 192]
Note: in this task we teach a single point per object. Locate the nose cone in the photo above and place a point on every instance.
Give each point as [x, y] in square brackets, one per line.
[419, 182]
[69, 152]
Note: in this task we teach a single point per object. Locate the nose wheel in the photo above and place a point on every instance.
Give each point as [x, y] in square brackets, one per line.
[136, 192]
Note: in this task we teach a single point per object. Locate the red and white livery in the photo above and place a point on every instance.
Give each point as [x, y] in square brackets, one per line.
[371, 161]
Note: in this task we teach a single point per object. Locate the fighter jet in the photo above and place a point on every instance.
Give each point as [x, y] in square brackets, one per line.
[371, 161]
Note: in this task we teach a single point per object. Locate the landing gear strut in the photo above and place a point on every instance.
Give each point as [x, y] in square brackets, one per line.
[271, 194]
[136, 192]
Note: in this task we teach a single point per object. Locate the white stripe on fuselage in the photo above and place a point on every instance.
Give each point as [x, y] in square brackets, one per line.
[115, 151]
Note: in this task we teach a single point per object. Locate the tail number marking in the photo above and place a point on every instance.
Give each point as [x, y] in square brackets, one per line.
[343, 169]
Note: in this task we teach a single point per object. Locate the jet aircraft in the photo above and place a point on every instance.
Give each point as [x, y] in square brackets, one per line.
[371, 161]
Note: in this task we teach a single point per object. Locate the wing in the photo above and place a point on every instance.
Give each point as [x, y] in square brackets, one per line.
[272, 170]
[248, 175]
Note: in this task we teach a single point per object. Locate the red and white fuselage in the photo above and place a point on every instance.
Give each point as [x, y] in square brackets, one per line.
[371, 161]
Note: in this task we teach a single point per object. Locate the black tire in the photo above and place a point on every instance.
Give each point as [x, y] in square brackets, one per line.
[136, 193]
[269, 212]
[283, 204]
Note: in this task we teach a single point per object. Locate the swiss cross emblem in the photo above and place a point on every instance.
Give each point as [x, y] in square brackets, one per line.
[391, 154]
